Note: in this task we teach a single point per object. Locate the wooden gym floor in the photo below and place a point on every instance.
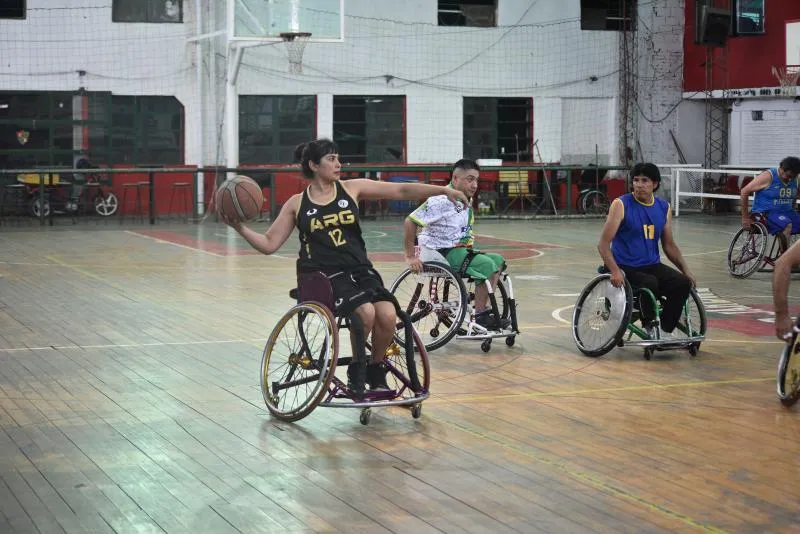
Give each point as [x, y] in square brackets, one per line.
[130, 400]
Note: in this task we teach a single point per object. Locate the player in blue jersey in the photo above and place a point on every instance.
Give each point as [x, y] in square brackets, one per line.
[636, 223]
[774, 193]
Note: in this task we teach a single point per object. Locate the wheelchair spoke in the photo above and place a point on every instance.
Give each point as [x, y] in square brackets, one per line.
[434, 300]
[297, 362]
[746, 251]
[601, 316]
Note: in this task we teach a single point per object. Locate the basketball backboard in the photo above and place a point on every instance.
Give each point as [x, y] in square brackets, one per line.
[793, 42]
[265, 20]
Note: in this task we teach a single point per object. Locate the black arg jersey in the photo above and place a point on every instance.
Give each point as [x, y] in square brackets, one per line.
[330, 236]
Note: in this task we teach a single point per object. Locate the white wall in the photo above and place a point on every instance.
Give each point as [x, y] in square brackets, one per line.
[691, 133]
[435, 67]
[660, 68]
[390, 47]
[768, 141]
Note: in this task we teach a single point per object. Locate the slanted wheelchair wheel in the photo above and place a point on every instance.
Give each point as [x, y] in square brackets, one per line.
[436, 301]
[602, 313]
[299, 361]
[747, 249]
[693, 321]
[399, 377]
[789, 372]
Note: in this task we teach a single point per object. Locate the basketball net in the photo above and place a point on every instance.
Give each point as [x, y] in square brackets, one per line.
[787, 76]
[295, 46]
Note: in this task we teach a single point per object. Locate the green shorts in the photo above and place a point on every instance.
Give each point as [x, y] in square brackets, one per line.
[482, 266]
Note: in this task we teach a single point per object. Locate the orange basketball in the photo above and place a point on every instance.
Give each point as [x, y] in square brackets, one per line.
[239, 198]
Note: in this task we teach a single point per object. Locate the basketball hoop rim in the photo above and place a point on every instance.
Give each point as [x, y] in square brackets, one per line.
[291, 36]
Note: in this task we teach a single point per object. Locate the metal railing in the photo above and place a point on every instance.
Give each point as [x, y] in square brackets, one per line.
[537, 192]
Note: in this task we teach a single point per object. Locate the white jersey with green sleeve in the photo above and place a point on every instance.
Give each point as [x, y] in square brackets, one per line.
[444, 224]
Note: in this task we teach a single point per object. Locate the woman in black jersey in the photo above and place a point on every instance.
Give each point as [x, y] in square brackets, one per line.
[327, 217]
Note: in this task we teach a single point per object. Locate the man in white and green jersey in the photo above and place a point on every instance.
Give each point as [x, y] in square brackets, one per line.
[447, 228]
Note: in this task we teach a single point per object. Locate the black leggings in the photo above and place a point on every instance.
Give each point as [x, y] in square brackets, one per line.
[665, 282]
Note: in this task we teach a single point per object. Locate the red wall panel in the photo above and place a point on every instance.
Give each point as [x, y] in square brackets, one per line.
[749, 58]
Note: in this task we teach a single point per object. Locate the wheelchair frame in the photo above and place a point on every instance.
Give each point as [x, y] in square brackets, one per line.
[306, 365]
[625, 297]
[435, 282]
[788, 379]
[752, 253]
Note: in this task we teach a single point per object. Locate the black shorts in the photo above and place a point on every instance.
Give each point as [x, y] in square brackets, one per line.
[351, 289]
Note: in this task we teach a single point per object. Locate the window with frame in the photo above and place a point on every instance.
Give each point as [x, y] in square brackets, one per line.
[12, 9]
[476, 13]
[146, 130]
[498, 128]
[147, 11]
[608, 15]
[749, 17]
[36, 129]
[369, 129]
[271, 126]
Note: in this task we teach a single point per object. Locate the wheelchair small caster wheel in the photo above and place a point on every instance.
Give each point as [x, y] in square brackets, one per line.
[510, 341]
[434, 332]
[693, 348]
[416, 411]
[621, 343]
[365, 415]
[486, 345]
[648, 353]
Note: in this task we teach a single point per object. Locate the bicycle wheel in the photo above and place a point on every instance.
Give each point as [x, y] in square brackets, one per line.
[594, 203]
[789, 372]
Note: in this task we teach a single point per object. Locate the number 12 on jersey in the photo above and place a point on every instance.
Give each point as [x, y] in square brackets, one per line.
[337, 237]
[649, 231]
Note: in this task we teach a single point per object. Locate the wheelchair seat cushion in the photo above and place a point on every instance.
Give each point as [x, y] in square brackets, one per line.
[315, 286]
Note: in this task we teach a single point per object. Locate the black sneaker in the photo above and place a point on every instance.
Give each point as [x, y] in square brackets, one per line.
[376, 377]
[487, 320]
[352, 372]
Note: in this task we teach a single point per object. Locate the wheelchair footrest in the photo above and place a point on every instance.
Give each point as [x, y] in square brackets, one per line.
[373, 403]
[491, 334]
[672, 343]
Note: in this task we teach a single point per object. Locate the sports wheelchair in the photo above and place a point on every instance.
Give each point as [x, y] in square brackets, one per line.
[789, 369]
[301, 359]
[604, 314]
[747, 252]
[438, 301]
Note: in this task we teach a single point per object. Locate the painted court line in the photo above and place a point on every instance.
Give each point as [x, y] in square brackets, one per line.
[174, 244]
[613, 488]
[576, 392]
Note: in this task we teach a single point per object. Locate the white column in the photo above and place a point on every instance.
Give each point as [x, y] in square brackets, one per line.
[232, 107]
[325, 115]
